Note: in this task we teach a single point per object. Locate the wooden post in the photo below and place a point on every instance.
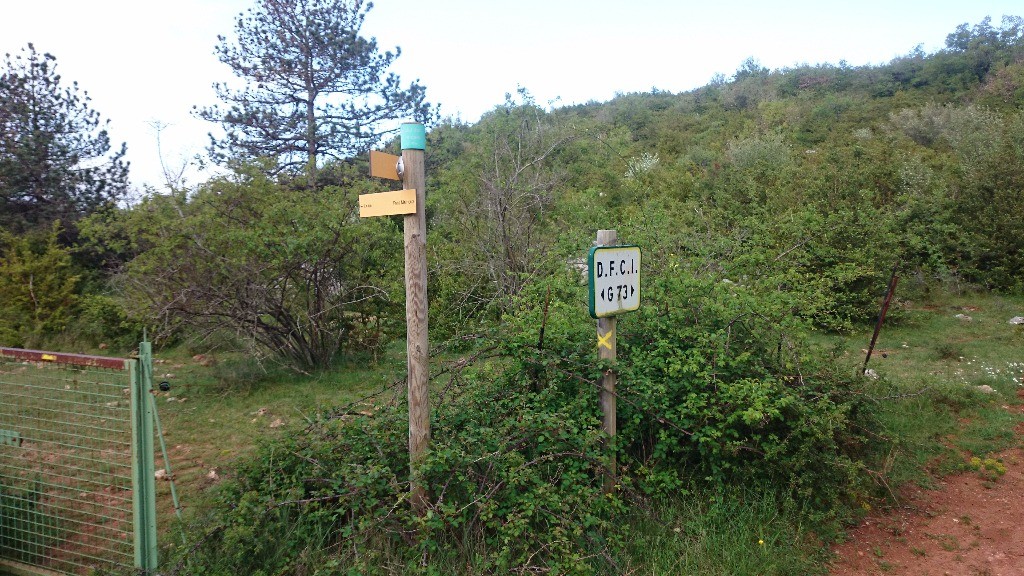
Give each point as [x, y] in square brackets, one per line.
[606, 351]
[417, 340]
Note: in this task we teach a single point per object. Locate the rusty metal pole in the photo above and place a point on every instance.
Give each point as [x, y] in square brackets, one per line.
[893, 280]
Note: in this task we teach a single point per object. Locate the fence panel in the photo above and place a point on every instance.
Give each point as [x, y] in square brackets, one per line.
[70, 465]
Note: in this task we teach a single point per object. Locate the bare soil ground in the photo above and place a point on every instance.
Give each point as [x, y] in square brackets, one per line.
[969, 526]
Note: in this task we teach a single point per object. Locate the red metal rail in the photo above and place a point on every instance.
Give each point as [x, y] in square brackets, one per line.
[62, 358]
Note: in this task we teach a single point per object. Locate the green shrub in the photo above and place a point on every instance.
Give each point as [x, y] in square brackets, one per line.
[102, 319]
[713, 392]
[37, 287]
[515, 481]
[949, 350]
[292, 272]
[25, 531]
[714, 388]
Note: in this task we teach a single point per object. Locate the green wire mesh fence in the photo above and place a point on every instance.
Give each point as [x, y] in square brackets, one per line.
[76, 463]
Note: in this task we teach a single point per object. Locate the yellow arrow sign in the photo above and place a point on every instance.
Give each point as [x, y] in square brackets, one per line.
[387, 203]
[384, 165]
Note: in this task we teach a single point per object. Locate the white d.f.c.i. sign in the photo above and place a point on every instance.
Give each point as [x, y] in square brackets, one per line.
[614, 274]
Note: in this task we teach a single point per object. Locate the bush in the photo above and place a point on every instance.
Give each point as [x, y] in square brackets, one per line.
[712, 393]
[37, 287]
[293, 272]
[515, 481]
[102, 319]
[26, 532]
[714, 388]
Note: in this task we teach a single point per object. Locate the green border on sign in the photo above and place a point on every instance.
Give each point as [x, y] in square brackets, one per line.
[591, 296]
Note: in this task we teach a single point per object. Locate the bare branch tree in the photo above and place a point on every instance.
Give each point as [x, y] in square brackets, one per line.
[515, 186]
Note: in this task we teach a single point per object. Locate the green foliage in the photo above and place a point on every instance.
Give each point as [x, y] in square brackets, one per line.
[714, 387]
[748, 530]
[515, 479]
[981, 46]
[102, 319]
[55, 159]
[949, 351]
[37, 286]
[491, 221]
[718, 390]
[291, 272]
[530, 465]
[770, 208]
[777, 448]
[26, 531]
[982, 163]
[991, 430]
[315, 89]
[989, 468]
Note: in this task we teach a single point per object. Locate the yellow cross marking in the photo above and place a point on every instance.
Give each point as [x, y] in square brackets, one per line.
[605, 340]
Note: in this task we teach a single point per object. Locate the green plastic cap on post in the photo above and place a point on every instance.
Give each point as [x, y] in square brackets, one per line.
[414, 136]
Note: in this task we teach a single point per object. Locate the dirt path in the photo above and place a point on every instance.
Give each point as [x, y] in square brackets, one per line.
[969, 526]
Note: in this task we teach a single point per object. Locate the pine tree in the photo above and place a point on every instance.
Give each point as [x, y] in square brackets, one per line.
[55, 155]
[314, 88]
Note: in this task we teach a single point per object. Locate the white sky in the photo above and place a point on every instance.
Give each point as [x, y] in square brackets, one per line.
[151, 61]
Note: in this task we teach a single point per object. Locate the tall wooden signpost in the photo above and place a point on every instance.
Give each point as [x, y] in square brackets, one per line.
[614, 275]
[614, 287]
[412, 203]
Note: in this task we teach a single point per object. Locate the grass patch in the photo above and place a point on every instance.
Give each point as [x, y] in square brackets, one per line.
[990, 430]
[917, 426]
[218, 408]
[736, 532]
[944, 383]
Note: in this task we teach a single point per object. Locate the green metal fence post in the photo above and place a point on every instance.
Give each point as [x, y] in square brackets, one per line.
[143, 471]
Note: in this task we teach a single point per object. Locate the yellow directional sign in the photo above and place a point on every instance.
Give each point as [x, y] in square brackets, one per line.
[384, 165]
[387, 203]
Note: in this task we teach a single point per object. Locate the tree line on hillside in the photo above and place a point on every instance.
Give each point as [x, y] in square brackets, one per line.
[811, 182]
